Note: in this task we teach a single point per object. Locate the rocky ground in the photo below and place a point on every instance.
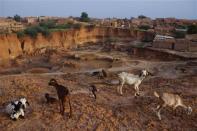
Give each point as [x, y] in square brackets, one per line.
[28, 76]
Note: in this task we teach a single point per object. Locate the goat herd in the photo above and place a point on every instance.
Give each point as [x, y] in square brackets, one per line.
[17, 108]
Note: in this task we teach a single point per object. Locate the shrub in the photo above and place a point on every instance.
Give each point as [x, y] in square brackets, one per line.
[144, 27]
[32, 31]
[192, 29]
[48, 24]
[111, 39]
[20, 34]
[76, 26]
[179, 34]
[63, 26]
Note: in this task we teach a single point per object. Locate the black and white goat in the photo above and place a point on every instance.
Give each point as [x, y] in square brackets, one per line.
[171, 100]
[131, 79]
[16, 108]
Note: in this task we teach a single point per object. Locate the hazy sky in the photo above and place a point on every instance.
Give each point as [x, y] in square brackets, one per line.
[101, 8]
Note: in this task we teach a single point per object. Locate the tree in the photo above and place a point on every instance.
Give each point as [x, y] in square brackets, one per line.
[179, 34]
[84, 17]
[192, 29]
[142, 17]
[17, 18]
[144, 27]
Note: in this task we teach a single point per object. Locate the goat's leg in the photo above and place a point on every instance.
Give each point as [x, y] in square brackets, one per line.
[122, 84]
[60, 106]
[63, 108]
[174, 109]
[22, 113]
[136, 90]
[159, 110]
[70, 106]
[118, 87]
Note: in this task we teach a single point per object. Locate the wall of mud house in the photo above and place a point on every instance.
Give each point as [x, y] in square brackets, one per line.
[165, 44]
[178, 45]
[193, 47]
[182, 45]
[11, 46]
[154, 54]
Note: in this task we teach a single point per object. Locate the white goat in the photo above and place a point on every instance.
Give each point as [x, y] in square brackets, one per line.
[131, 79]
[171, 100]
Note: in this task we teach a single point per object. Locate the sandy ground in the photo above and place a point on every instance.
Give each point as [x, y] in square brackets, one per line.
[28, 76]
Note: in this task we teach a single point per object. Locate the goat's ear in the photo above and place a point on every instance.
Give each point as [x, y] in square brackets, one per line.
[151, 74]
[27, 103]
[53, 80]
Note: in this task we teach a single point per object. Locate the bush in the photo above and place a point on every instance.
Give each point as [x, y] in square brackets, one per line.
[76, 26]
[144, 27]
[63, 26]
[32, 31]
[20, 34]
[179, 34]
[192, 29]
[48, 24]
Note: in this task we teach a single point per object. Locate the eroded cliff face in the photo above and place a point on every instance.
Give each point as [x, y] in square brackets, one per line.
[11, 46]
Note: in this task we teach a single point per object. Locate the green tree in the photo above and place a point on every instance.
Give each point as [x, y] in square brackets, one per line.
[192, 29]
[84, 17]
[179, 34]
[144, 27]
[141, 17]
[17, 18]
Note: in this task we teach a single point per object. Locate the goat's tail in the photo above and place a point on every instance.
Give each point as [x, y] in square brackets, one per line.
[156, 94]
[70, 106]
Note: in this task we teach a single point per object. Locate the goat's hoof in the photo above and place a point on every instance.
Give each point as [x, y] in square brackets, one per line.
[23, 117]
[14, 119]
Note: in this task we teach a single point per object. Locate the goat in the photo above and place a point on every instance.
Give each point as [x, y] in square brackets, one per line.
[171, 100]
[15, 110]
[62, 93]
[50, 100]
[131, 79]
[93, 90]
[10, 108]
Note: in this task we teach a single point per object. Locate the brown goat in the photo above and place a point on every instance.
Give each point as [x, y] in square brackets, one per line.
[171, 100]
[62, 93]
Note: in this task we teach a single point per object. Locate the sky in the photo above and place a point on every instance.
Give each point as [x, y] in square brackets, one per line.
[184, 9]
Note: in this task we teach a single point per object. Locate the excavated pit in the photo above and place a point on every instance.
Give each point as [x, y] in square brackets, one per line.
[28, 76]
